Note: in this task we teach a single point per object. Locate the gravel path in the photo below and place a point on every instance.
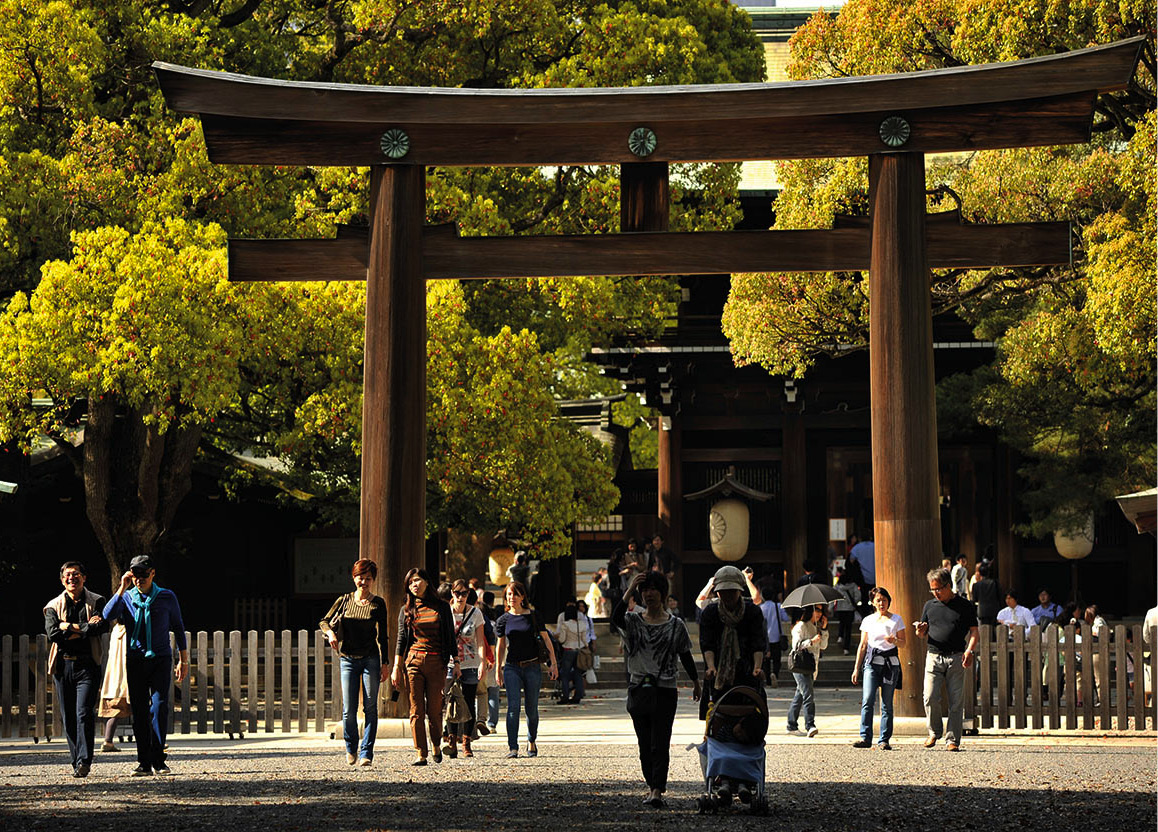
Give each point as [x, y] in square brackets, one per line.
[304, 784]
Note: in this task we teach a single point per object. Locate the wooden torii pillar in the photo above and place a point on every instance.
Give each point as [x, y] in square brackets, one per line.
[892, 119]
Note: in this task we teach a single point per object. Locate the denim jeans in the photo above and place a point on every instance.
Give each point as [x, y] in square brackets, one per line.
[522, 684]
[869, 687]
[360, 676]
[802, 697]
[947, 671]
[492, 706]
[77, 684]
[148, 683]
[570, 675]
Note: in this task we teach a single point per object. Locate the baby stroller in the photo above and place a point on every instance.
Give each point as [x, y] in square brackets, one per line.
[732, 754]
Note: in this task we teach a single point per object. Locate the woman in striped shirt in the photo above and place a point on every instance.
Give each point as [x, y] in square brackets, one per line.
[425, 652]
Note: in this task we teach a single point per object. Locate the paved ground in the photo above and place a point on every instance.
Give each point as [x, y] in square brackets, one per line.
[587, 778]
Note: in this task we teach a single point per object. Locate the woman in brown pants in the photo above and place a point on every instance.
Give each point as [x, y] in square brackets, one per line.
[425, 650]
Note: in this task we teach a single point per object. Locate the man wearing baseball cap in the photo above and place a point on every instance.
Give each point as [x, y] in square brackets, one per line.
[732, 636]
[149, 613]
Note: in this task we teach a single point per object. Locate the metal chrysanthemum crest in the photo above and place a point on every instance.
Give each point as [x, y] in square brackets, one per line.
[395, 143]
[895, 131]
[641, 142]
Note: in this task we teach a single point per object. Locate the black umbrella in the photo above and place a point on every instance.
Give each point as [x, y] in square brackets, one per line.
[810, 594]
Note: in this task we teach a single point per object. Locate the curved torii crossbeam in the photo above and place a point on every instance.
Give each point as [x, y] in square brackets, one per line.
[892, 119]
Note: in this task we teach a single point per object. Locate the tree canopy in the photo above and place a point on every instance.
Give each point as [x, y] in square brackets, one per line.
[112, 223]
[1073, 383]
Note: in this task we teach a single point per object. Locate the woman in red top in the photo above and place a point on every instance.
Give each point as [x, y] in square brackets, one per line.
[426, 649]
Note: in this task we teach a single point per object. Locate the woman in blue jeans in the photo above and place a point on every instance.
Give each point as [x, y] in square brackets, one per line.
[360, 616]
[880, 635]
[809, 633]
[519, 672]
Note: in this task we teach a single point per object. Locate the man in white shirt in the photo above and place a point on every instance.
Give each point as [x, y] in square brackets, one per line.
[960, 576]
[1014, 613]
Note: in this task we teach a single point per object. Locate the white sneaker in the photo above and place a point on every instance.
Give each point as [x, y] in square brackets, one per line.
[812, 732]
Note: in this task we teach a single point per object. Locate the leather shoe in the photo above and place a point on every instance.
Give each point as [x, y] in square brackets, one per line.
[952, 747]
[930, 741]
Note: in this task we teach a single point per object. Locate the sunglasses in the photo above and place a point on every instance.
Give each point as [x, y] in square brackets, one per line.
[461, 593]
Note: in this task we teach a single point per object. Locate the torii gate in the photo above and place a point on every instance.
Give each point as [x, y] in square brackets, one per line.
[892, 119]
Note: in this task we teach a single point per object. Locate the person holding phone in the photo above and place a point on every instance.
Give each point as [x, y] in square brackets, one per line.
[150, 614]
[880, 635]
[362, 650]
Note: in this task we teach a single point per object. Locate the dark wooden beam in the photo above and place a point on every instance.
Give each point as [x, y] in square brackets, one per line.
[906, 518]
[392, 531]
[447, 256]
[1097, 69]
[1049, 121]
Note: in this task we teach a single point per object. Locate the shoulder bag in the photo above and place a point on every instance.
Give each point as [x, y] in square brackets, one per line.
[336, 622]
[544, 653]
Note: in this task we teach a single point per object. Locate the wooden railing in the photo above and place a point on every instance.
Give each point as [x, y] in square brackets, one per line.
[265, 682]
[237, 684]
[1015, 670]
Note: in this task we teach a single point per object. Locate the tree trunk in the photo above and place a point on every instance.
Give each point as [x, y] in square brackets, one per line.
[134, 479]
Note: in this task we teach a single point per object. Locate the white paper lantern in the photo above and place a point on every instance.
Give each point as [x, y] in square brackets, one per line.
[728, 529]
[1077, 545]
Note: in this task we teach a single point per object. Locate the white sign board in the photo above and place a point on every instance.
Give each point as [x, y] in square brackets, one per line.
[836, 528]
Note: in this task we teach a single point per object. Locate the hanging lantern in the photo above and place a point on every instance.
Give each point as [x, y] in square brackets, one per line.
[728, 529]
[728, 520]
[1075, 545]
[501, 558]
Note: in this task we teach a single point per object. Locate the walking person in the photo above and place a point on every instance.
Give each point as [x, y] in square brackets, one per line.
[424, 653]
[846, 608]
[357, 627]
[809, 635]
[572, 632]
[775, 617]
[519, 670]
[950, 624]
[987, 595]
[881, 634]
[150, 614]
[74, 621]
[470, 646]
[653, 639]
[114, 697]
[733, 638]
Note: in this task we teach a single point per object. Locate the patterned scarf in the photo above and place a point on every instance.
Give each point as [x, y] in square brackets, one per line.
[144, 617]
[729, 645]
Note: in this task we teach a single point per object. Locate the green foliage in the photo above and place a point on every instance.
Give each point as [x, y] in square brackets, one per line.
[1073, 383]
[112, 199]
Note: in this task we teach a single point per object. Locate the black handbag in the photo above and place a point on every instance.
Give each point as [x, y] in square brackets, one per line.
[801, 660]
[336, 622]
[544, 653]
[643, 696]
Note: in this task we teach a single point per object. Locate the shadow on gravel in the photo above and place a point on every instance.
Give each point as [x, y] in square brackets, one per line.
[374, 802]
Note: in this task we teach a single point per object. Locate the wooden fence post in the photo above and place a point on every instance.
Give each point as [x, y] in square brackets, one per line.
[1139, 674]
[269, 677]
[319, 681]
[1087, 686]
[6, 687]
[1019, 656]
[287, 693]
[1071, 665]
[202, 682]
[251, 697]
[186, 696]
[1001, 637]
[173, 651]
[335, 685]
[218, 681]
[235, 725]
[1103, 677]
[1054, 678]
[303, 681]
[41, 685]
[986, 668]
[1037, 706]
[1123, 680]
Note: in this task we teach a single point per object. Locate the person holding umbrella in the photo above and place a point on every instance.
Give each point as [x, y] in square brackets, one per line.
[809, 638]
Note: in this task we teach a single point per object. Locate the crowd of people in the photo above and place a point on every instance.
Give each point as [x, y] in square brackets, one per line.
[454, 649]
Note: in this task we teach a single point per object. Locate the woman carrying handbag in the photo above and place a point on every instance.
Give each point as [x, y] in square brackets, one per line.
[357, 628]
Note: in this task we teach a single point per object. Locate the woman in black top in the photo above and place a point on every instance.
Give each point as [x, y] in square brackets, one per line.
[356, 626]
[518, 631]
